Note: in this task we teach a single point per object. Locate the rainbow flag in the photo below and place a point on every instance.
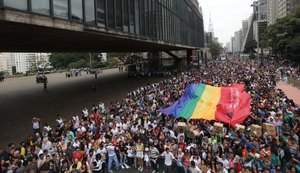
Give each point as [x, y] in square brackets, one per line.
[226, 104]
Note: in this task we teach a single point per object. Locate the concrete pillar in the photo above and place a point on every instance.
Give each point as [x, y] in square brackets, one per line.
[189, 57]
[154, 60]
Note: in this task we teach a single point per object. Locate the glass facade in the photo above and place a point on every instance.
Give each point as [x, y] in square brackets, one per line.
[119, 25]
[76, 10]
[40, 6]
[61, 9]
[125, 15]
[111, 13]
[90, 12]
[101, 15]
[131, 16]
[17, 4]
[172, 21]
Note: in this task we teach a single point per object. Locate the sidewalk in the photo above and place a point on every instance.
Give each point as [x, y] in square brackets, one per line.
[290, 91]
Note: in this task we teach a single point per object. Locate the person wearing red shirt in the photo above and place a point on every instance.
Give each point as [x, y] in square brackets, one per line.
[181, 144]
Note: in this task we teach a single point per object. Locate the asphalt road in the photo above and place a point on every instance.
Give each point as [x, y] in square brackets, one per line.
[22, 98]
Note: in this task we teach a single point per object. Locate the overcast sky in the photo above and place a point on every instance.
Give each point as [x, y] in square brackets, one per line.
[226, 16]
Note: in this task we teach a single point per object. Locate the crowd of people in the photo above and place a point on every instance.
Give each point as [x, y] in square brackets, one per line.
[132, 134]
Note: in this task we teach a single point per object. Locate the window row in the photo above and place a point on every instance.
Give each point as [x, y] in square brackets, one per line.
[169, 20]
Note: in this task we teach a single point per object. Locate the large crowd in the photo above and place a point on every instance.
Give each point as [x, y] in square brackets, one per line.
[132, 134]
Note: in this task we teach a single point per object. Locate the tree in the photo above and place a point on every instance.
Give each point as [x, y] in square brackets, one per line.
[67, 60]
[250, 47]
[78, 64]
[215, 49]
[283, 37]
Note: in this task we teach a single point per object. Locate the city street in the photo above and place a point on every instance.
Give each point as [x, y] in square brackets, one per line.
[22, 98]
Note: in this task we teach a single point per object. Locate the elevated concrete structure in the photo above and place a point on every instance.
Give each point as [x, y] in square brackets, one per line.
[28, 31]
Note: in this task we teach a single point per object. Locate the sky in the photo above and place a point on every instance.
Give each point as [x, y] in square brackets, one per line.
[226, 16]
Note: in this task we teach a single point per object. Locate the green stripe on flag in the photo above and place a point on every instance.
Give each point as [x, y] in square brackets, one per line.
[189, 108]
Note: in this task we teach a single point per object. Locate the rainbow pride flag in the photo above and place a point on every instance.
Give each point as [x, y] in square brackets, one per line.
[226, 104]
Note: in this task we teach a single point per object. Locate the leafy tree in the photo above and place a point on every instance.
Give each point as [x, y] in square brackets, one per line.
[250, 47]
[2, 73]
[67, 60]
[283, 37]
[78, 64]
[215, 49]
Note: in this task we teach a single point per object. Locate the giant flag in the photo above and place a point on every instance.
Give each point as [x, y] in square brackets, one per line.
[226, 104]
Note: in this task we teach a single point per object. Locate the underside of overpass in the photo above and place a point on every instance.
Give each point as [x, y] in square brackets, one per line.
[20, 32]
[18, 37]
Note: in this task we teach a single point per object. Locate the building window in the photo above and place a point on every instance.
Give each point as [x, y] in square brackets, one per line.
[18, 4]
[132, 17]
[101, 16]
[76, 8]
[111, 13]
[137, 17]
[60, 8]
[119, 14]
[146, 18]
[40, 6]
[125, 16]
[142, 17]
[90, 12]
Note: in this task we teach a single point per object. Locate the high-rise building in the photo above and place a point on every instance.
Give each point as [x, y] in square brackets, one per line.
[263, 10]
[3, 64]
[237, 42]
[280, 8]
[22, 61]
[272, 6]
[245, 27]
[6, 63]
[208, 38]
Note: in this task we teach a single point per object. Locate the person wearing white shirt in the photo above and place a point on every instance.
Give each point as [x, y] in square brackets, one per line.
[194, 168]
[168, 160]
[85, 112]
[112, 156]
[134, 128]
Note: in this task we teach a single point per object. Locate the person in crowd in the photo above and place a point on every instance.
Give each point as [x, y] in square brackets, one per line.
[133, 132]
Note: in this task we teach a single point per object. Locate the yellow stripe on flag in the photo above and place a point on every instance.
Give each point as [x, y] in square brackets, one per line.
[202, 103]
[209, 112]
[206, 106]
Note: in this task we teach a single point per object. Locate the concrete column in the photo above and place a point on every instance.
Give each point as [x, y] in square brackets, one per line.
[154, 60]
[189, 57]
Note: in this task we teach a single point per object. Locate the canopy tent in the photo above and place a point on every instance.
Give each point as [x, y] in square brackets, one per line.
[226, 104]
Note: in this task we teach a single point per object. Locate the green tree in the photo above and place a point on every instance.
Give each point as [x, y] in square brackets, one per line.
[283, 37]
[67, 60]
[250, 47]
[78, 64]
[215, 49]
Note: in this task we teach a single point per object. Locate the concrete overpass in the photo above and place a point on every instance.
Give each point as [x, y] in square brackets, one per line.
[99, 25]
